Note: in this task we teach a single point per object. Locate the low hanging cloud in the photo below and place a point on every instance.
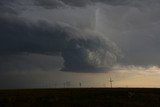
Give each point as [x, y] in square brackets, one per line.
[80, 50]
[86, 35]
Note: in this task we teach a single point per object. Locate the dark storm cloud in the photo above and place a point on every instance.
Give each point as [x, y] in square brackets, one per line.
[80, 51]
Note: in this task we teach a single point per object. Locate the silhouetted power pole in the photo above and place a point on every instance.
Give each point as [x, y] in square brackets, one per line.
[111, 81]
[80, 84]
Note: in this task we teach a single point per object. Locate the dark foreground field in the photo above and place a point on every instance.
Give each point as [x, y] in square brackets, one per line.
[81, 97]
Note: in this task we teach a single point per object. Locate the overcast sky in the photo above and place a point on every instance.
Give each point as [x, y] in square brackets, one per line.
[51, 41]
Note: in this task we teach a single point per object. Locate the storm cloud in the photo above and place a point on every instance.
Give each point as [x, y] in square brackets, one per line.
[81, 51]
[88, 35]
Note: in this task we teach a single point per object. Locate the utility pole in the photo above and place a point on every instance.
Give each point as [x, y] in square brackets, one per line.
[111, 81]
[80, 84]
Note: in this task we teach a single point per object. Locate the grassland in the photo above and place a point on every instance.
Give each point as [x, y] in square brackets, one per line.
[81, 97]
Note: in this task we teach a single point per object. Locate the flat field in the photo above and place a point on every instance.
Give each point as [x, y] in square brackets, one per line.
[81, 97]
